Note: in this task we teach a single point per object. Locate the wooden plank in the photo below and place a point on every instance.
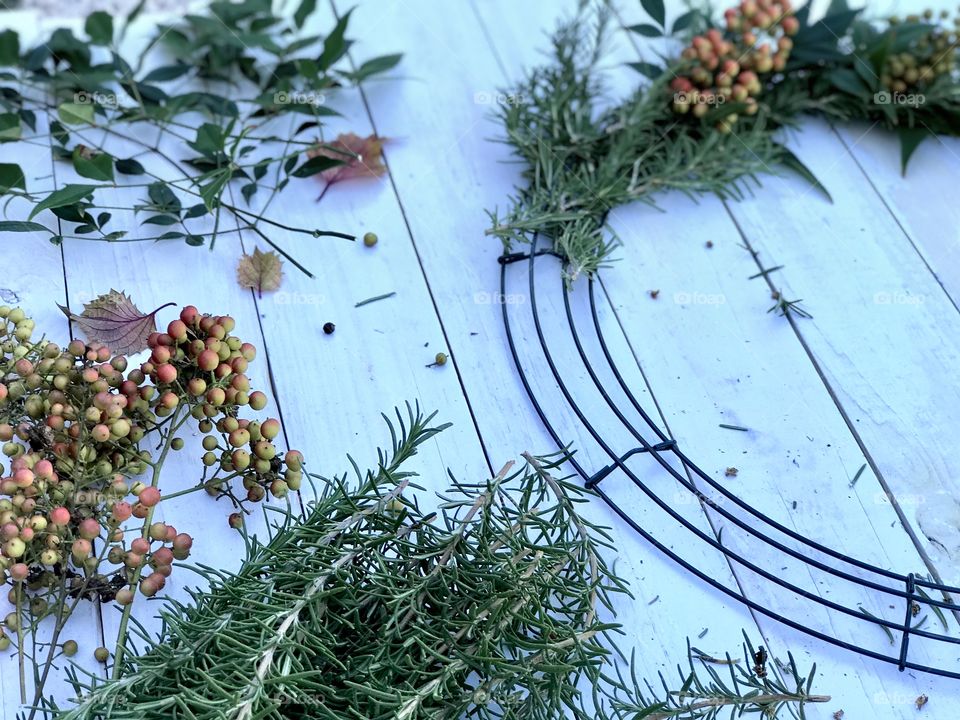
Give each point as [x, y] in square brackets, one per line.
[935, 233]
[884, 332]
[446, 171]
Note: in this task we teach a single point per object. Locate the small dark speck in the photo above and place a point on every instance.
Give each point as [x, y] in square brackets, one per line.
[474, 333]
[794, 504]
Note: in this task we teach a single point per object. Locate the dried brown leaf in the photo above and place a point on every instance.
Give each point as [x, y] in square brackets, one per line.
[262, 271]
[362, 157]
[113, 320]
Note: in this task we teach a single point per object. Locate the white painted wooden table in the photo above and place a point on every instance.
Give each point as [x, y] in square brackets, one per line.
[871, 379]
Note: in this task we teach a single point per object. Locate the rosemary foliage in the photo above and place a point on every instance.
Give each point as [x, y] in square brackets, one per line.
[368, 607]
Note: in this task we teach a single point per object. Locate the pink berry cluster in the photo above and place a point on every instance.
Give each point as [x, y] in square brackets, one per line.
[79, 430]
[731, 66]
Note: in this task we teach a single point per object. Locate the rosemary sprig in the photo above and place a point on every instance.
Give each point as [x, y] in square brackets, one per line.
[366, 606]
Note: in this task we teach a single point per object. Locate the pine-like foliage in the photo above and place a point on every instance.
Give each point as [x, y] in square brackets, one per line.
[369, 608]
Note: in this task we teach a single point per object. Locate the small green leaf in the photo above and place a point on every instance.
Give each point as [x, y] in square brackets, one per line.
[211, 191]
[21, 226]
[684, 21]
[9, 48]
[67, 195]
[195, 211]
[96, 167]
[59, 133]
[9, 126]
[163, 198]
[655, 10]
[316, 165]
[848, 81]
[167, 73]
[795, 164]
[210, 140]
[248, 191]
[647, 69]
[161, 220]
[910, 139]
[71, 113]
[194, 240]
[646, 30]
[11, 176]
[335, 46]
[304, 11]
[99, 27]
[129, 166]
[375, 66]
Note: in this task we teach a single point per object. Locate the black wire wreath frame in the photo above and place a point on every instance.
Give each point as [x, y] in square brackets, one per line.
[909, 589]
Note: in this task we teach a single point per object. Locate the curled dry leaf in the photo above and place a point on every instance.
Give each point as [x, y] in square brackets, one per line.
[113, 320]
[262, 271]
[362, 157]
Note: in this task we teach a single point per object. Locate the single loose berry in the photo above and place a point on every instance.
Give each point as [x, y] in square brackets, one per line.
[370, 239]
[101, 654]
[70, 648]
[328, 328]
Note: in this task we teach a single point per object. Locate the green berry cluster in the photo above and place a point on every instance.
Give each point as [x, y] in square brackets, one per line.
[933, 55]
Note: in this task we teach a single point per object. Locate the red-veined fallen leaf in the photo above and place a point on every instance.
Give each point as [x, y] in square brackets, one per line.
[113, 320]
[361, 157]
[262, 271]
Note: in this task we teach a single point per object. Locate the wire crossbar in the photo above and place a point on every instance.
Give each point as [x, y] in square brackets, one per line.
[908, 591]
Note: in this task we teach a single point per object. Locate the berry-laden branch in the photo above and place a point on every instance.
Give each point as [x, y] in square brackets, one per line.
[364, 605]
[80, 428]
[88, 99]
[710, 118]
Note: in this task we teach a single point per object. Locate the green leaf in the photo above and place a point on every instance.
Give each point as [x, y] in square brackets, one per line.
[97, 167]
[335, 46]
[684, 21]
[21, 226]
[99, 27]
[161, 220]
[129, 166]
[375, 66]
[59, 133]
[304, 11]
[211, 191]
[794, 163]
[655, 10]
[248, 191]
[163, 197]
[647, 69]
[195, 211]
[167, 73]
[11, 176]
[848, 81]
[646, 30]
[316, 165]
[9, 126]
[71, 113]
[9, 48]
[67, 195]
[210, 140]
[910, 139]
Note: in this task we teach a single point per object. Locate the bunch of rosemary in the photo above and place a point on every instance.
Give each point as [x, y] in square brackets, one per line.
[369, 608]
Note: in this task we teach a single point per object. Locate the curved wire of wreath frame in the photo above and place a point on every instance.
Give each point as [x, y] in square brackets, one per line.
[911, 588]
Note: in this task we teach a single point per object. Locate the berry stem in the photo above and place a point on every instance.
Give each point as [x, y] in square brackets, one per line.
[176, 421]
